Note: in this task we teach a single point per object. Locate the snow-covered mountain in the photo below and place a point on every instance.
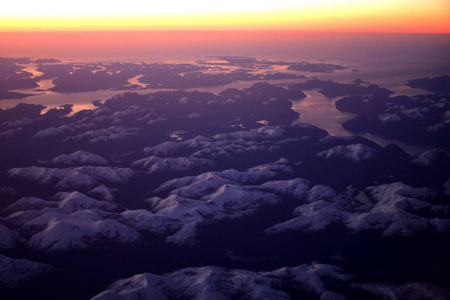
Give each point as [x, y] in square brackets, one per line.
[202, 194]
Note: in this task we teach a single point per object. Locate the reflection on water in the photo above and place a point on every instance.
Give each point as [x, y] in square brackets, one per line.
[45, 84]
[32, 68]
[320, 111]
[135, 81]
[315, 109]
[242, 85]
[411, 148]
[388, 60]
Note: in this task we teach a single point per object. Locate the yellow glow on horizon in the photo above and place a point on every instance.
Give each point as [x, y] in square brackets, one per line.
[98, 8]
[317, 15]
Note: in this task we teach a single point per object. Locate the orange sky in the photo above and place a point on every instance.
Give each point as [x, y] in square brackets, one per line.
[303, 15]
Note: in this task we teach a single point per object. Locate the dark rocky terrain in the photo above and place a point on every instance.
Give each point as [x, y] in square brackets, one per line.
[199, 195]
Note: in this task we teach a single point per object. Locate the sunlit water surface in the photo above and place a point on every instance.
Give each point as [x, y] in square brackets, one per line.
[388, 60]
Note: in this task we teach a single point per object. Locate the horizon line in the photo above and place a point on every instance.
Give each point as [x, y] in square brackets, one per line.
[220, 30]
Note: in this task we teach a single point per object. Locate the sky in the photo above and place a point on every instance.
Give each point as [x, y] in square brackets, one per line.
[299, 15]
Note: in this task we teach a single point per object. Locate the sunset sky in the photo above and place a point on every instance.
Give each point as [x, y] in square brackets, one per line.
[306, 15]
